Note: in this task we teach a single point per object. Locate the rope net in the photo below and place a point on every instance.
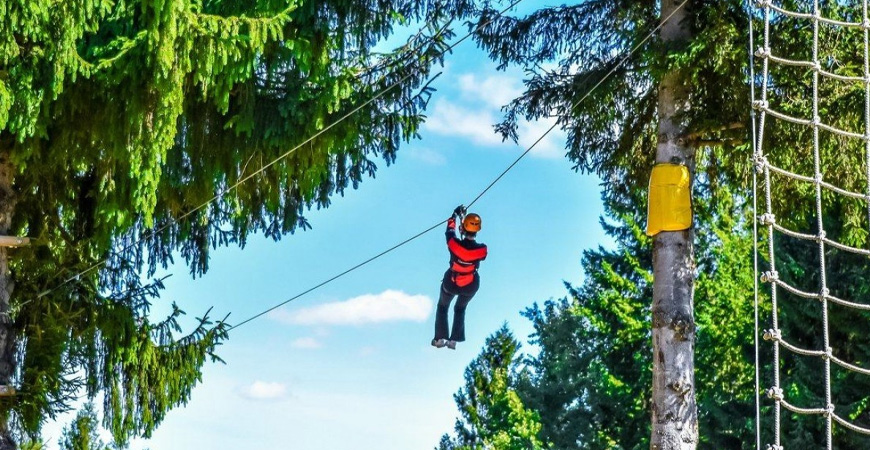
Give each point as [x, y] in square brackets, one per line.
[811, 158]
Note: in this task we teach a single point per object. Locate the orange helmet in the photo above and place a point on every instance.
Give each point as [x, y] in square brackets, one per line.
[471, 223]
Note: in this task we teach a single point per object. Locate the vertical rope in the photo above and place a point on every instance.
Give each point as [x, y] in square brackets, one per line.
[866, 26]
[777, 412]
[817, 177]
[761, 164]
[754, 227]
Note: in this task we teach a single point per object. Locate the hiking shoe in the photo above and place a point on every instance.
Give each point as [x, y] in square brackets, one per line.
[438, 343]
[451, 345]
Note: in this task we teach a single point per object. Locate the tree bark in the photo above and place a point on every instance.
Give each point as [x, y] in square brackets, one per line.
[7, 332]
[674, 411]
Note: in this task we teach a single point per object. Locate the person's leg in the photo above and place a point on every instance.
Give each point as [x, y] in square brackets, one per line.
[441, 314]
[458, 332]
[466, 293]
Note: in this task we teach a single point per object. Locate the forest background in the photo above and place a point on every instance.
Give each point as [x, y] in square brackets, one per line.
[206, 81]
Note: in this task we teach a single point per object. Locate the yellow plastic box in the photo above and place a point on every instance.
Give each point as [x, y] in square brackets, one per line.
[670, 202]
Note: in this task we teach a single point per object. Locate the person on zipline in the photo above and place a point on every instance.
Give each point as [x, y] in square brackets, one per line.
[461, 279]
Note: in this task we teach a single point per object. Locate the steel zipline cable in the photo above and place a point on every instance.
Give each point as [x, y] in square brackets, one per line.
[484, 191]
[227, 190]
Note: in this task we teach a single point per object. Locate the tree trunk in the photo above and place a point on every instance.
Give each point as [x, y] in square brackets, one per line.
[674, 411]
[7, 334]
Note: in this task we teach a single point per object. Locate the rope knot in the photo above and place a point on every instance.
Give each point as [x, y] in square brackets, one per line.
[865, 24]
[760, 104]
[817, 178]
[760, 163]
[816, 66]
[767, 219]
[821, 236]
[829, 410]
[824, 293]
[762, 52]
[770, 276]
[775, 393]
[774, 447]
[829, 353]
[774, 334]
[817, 120]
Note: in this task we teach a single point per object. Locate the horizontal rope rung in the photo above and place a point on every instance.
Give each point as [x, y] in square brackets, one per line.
[821, 182]
[773, 335]
[811, 123]
[810, 16]
[850, 425]
[816, 296]
[805, 411]
[822, 238]
[814, 66]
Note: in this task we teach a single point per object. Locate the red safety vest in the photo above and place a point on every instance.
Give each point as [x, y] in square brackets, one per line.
[465, 256]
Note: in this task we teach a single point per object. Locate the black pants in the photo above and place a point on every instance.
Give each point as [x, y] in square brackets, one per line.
[449, 290]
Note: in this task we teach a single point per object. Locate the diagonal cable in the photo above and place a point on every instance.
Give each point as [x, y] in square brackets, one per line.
[484, 191]
[222, 193]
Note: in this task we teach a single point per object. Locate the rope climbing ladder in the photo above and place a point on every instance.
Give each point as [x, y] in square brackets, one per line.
[793, 86]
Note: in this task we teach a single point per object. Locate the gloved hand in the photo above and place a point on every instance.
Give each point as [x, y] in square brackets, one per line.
[459, 211]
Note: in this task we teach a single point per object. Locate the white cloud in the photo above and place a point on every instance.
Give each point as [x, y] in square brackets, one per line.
[263, 390]
[388, 306]
[306, 343]
[552, 146]
[473, 113]
[494, 90]
[452, 119]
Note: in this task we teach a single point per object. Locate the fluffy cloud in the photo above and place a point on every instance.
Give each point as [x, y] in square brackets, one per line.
[552, 146]
[451, 119]
[473, 113]
[494, 90]
[262, 390]
[388, 306]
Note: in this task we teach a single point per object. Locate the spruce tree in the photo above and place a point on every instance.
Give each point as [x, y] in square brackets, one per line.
[492, 416]
[590, 381]
[133, 132]
[647, 111]
[81, 434]
[566, 51]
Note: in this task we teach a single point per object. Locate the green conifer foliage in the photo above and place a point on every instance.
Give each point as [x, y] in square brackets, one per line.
[590, 382]
[842, 162]
[82, 433]
[567, 50]
[120, 117]
[492, 415]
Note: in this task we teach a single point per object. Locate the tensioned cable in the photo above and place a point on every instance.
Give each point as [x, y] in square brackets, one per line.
[754, 228]
[221, 194]
[485, 190]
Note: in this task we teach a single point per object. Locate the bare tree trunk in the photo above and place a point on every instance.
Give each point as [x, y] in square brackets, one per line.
[674, 411]
[7, 334]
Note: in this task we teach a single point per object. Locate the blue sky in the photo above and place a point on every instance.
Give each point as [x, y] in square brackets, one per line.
[349, 366]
